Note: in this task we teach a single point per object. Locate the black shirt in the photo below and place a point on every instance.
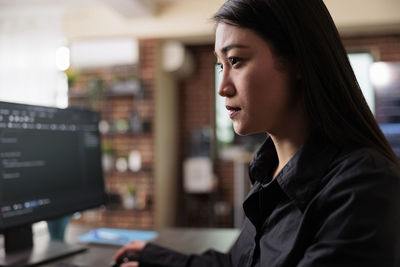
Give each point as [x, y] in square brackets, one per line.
[329, 206]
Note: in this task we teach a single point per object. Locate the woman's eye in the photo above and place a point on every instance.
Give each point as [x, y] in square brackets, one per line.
[233, 60]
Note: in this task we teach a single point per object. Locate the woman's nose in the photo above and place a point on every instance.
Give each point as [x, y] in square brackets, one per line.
[226, 87]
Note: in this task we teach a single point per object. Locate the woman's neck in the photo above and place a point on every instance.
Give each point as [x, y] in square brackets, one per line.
[287, 144]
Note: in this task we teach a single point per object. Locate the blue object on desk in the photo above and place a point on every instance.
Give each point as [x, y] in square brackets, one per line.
[116, 236]
[57, 227]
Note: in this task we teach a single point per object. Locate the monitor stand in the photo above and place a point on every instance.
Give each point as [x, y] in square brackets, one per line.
[20, 250]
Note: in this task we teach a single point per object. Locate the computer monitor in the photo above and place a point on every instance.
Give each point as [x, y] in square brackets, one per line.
[50, 161]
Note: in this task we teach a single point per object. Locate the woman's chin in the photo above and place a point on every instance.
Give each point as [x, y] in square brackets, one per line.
[240, 130]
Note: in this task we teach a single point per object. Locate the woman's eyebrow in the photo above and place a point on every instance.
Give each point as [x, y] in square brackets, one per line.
[226, 49]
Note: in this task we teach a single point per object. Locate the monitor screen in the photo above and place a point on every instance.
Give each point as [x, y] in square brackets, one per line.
[50, 165]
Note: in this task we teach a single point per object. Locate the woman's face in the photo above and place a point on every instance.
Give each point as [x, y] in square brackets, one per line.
[257, 93]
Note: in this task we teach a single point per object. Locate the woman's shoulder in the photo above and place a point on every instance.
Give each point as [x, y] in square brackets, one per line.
[357, 210]
[364, 159]
[362, 168]
[360, 183]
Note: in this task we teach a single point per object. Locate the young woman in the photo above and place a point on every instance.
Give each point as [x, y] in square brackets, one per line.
[326, 184]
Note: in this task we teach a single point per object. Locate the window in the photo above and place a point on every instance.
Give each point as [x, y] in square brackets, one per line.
[361, 64]
[29, 39]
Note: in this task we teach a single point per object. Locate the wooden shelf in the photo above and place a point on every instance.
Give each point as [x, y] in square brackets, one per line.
[106, 94]
[128, 174]
[122, 211]
[127, 134]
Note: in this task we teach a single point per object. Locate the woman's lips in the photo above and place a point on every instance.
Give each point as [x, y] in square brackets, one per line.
[233, 111]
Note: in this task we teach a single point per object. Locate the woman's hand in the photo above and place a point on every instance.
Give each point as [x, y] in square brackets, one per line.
[130, 264]
[133, 247]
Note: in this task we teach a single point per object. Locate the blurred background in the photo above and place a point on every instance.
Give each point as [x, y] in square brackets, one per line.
[170, 157]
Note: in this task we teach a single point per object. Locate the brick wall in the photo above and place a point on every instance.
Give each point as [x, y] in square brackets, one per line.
[383, 47]
[113, 108]
[197, 112]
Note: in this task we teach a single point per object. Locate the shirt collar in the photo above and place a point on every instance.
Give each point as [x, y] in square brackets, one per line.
[264, 162]
[301, 177]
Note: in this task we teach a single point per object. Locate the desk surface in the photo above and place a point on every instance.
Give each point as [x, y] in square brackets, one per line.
[185, 240]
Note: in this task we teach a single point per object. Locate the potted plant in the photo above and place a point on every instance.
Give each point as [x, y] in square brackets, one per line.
[129, 197]
[107, 157]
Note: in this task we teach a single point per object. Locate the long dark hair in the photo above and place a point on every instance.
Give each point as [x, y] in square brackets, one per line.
[303, 33]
